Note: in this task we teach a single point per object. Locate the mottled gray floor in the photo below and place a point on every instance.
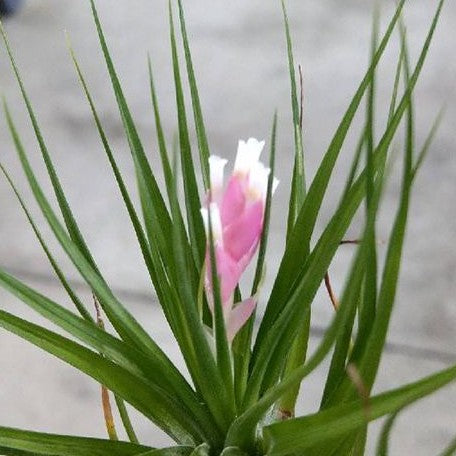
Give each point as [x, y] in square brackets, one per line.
[240, 59]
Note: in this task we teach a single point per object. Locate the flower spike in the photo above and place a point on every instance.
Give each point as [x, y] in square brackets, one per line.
[237, 215]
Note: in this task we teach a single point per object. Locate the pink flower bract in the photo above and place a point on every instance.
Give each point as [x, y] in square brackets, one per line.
[237, 217]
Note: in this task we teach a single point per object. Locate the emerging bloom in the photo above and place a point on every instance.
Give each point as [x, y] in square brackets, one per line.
[237, 216]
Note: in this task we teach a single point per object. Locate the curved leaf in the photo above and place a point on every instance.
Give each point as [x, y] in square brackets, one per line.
[20, 442]
[383, 441]
[297, 247]
[294, 436]
[161, 408]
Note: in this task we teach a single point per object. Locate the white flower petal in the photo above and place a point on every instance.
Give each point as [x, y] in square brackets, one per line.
[255, 146]
[258, 181]
[216, 222]
[216, 171]
[248, 154]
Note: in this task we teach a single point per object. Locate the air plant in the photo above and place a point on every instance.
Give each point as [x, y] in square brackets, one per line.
[243, 383]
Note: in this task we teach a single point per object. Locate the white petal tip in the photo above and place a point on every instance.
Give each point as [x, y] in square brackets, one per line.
[248, 154]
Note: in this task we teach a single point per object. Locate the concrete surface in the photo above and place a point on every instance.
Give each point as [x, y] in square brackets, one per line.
[240, 60]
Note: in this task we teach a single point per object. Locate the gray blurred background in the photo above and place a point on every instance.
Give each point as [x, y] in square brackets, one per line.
[240, 58]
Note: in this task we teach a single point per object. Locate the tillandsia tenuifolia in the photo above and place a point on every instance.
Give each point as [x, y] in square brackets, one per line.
[244, 384]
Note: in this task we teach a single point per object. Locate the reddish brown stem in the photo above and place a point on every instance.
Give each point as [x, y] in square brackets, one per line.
[331, 294]
[350, 241]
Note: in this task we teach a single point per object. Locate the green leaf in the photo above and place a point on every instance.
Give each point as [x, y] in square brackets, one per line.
[118, 176]
[109, 346]
[280, 336]
[152, 258]
[203, 145]
[125, 417]
[297, 248]
[194, 343]
[168, 174]
[298, 349]
[19, 442]
[368, 299]
[157, 218]
[160, 407]
[296, 358]
[242, 431]
[166, 166]
[133, 217]
[245, 424]
[379, 326]
[367, 312]
[298, 181]
[373, 348]
[301, 433]
[450, 450]
[192, 199]
[427, 143]
[291, 318]
[311, 274]
[338, 361]
[122, 320]
[383, 441]
[397, 78]
[69, 219]
[260, 265]
[164, 375]
[71, 293]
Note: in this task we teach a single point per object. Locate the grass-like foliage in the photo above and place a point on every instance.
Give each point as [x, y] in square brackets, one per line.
[244, 383]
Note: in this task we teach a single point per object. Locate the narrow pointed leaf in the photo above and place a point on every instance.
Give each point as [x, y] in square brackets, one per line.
[15, 441]
[383, 441]
[118, 176]
[298, 183]
[371, 356]
[166, 166]
[121, 319]
[200, 361]
[65, 209]
[126, 421]
[275, 301]
[427, 143]
[301, 433]
[192, 199]
[157, 218]
[244, 426]
[297, 247]
[71, 293]
[168, 173]
[153, 402]
[165, 376]
[203, 145]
